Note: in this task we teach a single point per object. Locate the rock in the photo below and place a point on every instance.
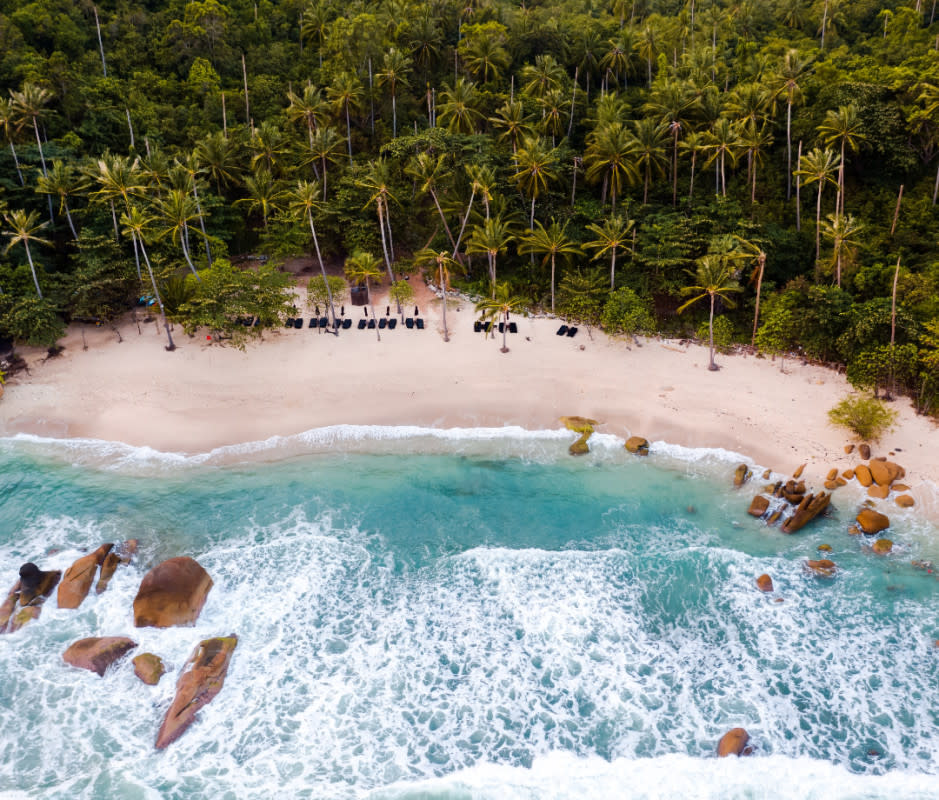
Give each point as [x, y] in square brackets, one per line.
[900, 487]
[78, 578]
[824, 548]
[637, 445]
[579, 448]
[863, 475]
[848, 448]
[831, 485]
[741, 475]
[823, 567]
[766, 474]
[121, 554]
[854, 530]
[24, 601]
[832, 473]
[848, 474]
[201, 679]
[878, 492]
[772, 518]
[840, 482]
[885, 472]
[798, 472]
[579, 424]
[809, 508]
[882, 546]
[864, 450]
[149, 668]
[97, 653]
[905, 501]
[764, 583]
[872, 522]
[172, 593]
[758, 506]
[733, 743]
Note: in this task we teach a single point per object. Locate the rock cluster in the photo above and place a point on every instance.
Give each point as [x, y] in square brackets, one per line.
[172, 593]
[24, 601]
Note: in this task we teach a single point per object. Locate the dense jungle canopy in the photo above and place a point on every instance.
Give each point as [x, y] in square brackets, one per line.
[608, 161]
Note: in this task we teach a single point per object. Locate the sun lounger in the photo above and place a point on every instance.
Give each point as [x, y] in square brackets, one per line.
[420, 323]
[477, 326]
[487, 327]
[347, 323]
[371, 323]
[572, 332]
[383, 323]
[392, 324]
[298, 323]
[336, 324]
[257, 321]
[324, 323]
[312, 322]
[362, 324]
[409, 323]
[289, 322]
[513, 328]
[562, 331]
[501, 327]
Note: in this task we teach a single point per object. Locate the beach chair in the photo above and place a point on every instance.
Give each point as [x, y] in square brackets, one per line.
[409, 323]
[336, 324]
[257, 321]
[487, 327]
[362, 324]
[298, 323]
[382, 323]
[392, 324]
[562, 331]
[312, 322]
[572, 332]
[289, 322]
[501, 327]
[513, 328]
[477, 326]
[371, 323]
[324, 322]
[347, 323]
[420, 323]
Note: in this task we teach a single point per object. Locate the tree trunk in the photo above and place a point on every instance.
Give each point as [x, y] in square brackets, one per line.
[394, 116]
[694, 154]
[104, 66]
[443, 288]
[19, 172]
[32, 267]
[384, 243]
[798, 189]
[182, 242]
[117, 235]
[789, 149]
[443, 219]
[552, 283]
[205, 236]
[371, 305]
[68, 216]
[818, 227]
[712, 366]
[505, 330]
[675, 169]
[613, 268]
[348, 133]
[156, 293]
[839, 201]
[319, 258]
[459, 237]
[137, 258]
[759, 288]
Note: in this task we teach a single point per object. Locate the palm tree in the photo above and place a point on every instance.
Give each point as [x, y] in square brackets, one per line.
[192, 170]
[693, 143]
[501, 304]
[325, 150]
[553, 110]
[843, 231]
[363, 267]
[755, 140]
[751, 250]
[536, 166]
[176, 211]
[29, 103]
[264, 194]
[793, 70]
[395, 69]
[302, 201]
[491, 238]
[270, 146]
[10, 126]
[217, 155]
[544, 76]
[723, 141]
[818, 166]
[459, 107]
[482, 179]
[307, 108]
[484, 57]
[346, 93]
[613, 235]
[118, 178]
[62, 181]
[426, 170]
[671, 101]
[377, 182]
[552, 242]
[135, 223]
[648, 145]
[443, 263]
[715, 278]
[514, 123]
[617, 59]
[842, 127]
[23, 228]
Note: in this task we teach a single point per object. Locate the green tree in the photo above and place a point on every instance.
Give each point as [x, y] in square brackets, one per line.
[491, 239]
[842, 128]
[62, 182]
[459, 107]
[787, 84]
[31, 320]
[715, 279]
[613, 235]
[363, 268]
[536, 168]
[303, 200]
[426, 171]
[626, 314]
[394, 72]
[346, 93]
[136, 225]
[22, 229]
[843, 232]
[442, 264]
[819, 166]
[552, 242]
[501, 304]
[611, 157]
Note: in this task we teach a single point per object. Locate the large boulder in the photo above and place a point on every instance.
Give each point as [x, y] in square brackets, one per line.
[172, 593]
[878, 492]
[121, 554]
[97, 653]
[863, 475]
[149, 668]
[201, 679]
[872, 522]
[741, 475]
[78, 578]
[764, 583]
[810, 507]
[637, 445]
[580, 447]
[733, 743]
[882, 546]
[758, 506]
[24, 601]
[885, 472]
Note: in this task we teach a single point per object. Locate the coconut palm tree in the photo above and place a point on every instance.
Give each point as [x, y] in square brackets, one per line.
[308, 108]
[426, 170]
[218, 157]
[345, 94]
[490, 239]
[672, 103]
[501, 304]
[693, 143]
[118, 179]
[715, 277]
[377, 182]
[842, 231]
[615, 234]
[482, 179]
[29, 103]
[62, 181]
[22, 230]
[394, 73]
[10, 127]
[442, 263]
[544, 76]
[175, 212]
[536, 167]
[819, 166]
[648, 146]
[723, 140]
[552, 241]
[302, 201]
[484, 58]
[514, 123]
[786, 84]
[459, 107]
[362, 267]
[842, 127]
[135, 224]
[265, 194]
[270, 148]
[325, 150]
[751, 250]
[192, 169]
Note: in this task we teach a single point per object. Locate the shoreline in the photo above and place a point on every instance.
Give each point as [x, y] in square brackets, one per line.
[206, 396]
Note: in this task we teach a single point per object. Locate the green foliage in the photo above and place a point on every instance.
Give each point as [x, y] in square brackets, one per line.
[317, 294]
[582, 295]
[723, 333]
[883, 367]
[866, 417]
[626, 314]
[29, 320]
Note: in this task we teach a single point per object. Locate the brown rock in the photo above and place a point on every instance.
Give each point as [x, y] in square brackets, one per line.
[121, 554]
[766, 474]
[840, 482]
[24, 601]
[905, 501]
[772, 518]
[885, 472]
[809, 508]
[872, 522]
[864, 450]
[847, 474]
[149, 668]
[854, 530]
[824, 548]
[823, 567]
[78, 578]
[882, 546]
[900, 487]
[201, 679]
[878, 492]
[831, 485]
[172, 593]
[764, 583]
[832, 473]
[579, 424]
[97, 653]
[798, 472]
[637, 445]
[863, 475]
[758, 506]
[580, 448]
[848, 448]
[741, 475]
[733, 743]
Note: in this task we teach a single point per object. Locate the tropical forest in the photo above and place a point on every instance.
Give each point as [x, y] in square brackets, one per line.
[609, 163]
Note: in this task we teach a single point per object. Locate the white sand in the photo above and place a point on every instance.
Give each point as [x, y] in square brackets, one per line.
[206, 395]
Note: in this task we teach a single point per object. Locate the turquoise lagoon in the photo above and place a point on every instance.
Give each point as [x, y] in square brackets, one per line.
[467, 614]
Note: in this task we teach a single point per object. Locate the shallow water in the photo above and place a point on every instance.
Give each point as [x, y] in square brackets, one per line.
[466, 614]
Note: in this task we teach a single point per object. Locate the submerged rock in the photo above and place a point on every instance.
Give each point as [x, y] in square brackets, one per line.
[758, 506]
[76, 583]
[823, 567]
[201, 679]
[824, 548]
[882, 546]
[149, 668]
[872, 522]
[809, 508]
[637, 445]
[733, 743]
[24, 601]
[579, 448]
[764, 583]
[121, 554]
[97, 653]
[172, 593]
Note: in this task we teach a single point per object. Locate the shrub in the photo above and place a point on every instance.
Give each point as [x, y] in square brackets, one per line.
[865, 416]
[723, 333]
[625, 313]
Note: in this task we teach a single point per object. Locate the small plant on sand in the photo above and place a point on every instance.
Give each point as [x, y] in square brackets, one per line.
[865, 416]
[723, 333]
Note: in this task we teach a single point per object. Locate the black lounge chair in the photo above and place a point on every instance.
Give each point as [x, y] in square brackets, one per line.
[392, 324]
[312, 322]
[477, 326]
[347, 323]
[487, 327]
[383, 323]
[289, 322]
[298, 323]
[572, 331]
[420, 323]
[371, 323]
[513, 328]
[562, 331]
[501, 327]
[324, 323]
[362, 324]
[257, 321]
[409, 323]
[336, 324]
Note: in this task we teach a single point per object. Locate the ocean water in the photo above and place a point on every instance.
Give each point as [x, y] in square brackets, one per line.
[467, 615]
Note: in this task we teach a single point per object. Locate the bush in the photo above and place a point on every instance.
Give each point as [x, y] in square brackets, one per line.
[723, 333]
[625, 313]
[865, 416]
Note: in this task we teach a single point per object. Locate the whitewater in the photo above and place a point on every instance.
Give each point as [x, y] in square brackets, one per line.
[467, 613]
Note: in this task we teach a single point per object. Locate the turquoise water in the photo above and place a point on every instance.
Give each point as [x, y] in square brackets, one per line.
[467, 616]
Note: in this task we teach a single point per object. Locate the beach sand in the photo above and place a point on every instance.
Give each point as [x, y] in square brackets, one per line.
[206, 395]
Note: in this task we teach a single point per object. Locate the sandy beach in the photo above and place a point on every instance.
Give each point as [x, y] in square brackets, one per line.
[206, 395]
